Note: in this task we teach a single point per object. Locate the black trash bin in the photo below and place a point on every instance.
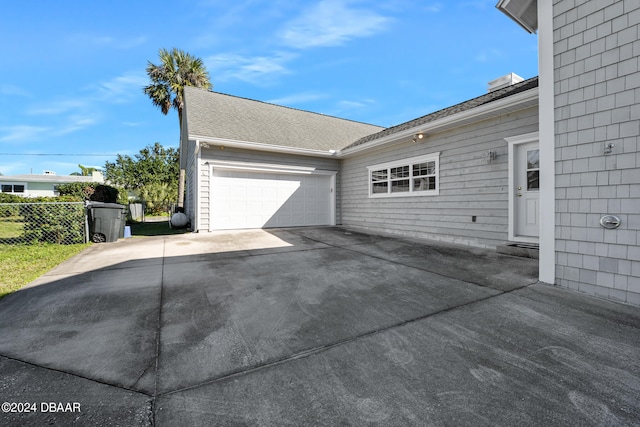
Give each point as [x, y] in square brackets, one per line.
[106, 221]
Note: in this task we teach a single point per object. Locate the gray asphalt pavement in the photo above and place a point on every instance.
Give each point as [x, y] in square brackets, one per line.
[311, 326]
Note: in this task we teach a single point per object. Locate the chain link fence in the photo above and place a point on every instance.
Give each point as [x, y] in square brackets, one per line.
[151, 210]
[33, 223]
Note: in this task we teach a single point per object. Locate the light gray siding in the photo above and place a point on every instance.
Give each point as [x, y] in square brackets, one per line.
[597, 102]
[469, 185]
[248, 156]
[190, 182]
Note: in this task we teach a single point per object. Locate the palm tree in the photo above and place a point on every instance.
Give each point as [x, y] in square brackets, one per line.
[176, 70]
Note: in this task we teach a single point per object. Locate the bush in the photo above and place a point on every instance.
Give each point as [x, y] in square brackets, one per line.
[91, 191]
[158, 197]
[59, 223]
[51, 220]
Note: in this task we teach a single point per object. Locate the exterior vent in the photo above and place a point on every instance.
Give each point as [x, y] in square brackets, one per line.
[504, 81]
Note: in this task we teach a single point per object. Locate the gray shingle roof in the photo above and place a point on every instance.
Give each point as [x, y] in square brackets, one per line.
[217, 115]
[449, 111]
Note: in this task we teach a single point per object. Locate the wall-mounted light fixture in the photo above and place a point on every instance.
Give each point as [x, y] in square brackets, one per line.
[608, 148]
[417, 137]
[489, 156]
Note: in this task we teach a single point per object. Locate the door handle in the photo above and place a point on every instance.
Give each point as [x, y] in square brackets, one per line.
[519, 194]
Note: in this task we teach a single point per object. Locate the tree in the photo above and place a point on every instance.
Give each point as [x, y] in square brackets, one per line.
[176, 70]
[153, 165]
[84, 171]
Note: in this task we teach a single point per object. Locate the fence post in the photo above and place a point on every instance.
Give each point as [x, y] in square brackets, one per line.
[86, 225]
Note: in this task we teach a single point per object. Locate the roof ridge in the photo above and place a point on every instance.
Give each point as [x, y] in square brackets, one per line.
[284, 106]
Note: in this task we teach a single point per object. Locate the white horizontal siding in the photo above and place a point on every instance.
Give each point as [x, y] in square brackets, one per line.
[469, 186]
[190, 182]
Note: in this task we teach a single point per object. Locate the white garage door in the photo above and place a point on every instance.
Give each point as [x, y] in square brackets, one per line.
[246, 199]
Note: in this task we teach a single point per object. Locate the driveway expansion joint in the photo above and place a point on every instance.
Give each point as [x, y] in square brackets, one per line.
[158, 335]
[349, 248]
[321, 349]
[82, 377]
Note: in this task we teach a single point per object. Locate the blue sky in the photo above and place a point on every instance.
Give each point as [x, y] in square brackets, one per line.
[72, 72]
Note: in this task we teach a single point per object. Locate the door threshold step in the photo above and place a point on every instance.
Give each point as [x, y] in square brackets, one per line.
[525, 250]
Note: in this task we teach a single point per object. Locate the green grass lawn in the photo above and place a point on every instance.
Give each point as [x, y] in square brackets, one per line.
[20, 264]
[11, 228]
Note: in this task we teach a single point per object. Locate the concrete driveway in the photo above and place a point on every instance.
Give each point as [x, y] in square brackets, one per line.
[311, 326]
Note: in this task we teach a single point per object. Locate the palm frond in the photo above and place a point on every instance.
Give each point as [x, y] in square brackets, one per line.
[176, 70]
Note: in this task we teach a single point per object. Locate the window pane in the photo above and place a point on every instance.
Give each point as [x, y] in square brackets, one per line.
[426, 183]
[533, 180]
[7, 188]
[401, 172]
[400, 186]
[428, 168]
[379, 187]
[533, 159]
[18, 188]
[380, 175]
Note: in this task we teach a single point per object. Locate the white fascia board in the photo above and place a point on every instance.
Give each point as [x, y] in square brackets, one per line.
[246, 145]
[465, 117]
[267, 167]
[514, 9]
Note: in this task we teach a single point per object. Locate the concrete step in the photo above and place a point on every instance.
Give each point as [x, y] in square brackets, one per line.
[525, 250]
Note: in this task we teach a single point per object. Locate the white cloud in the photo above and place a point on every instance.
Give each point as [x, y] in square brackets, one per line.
[489, 55]
[122, 87]
[331, 23]
[75, 124]
[13, 168]
[350, 105]
[59, 107]
[117, 90]
[434, 7]
[106, 41]
[12, 90]
[76, 114]
[254, 70]
[131, 43]
[22, 133]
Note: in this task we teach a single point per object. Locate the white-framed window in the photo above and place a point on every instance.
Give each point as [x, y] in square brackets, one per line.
[13, 188]
[417, 176]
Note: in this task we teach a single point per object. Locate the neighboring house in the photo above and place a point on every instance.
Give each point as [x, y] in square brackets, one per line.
[44, 185]
[490, 171]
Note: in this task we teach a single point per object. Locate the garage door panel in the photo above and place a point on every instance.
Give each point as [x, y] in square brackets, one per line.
[241, 199]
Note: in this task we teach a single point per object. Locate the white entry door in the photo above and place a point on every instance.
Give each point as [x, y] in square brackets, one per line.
[252, 199]
[526, 176]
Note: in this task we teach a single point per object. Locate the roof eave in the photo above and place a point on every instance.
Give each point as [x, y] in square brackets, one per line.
[511, 103]
[515, 13]
[248, 145]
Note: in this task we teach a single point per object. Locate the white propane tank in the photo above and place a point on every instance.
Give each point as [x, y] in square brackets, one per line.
[179, 220]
